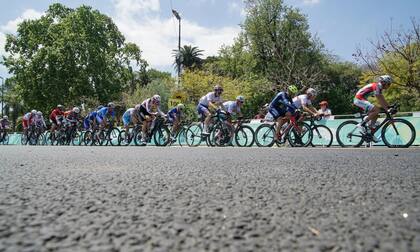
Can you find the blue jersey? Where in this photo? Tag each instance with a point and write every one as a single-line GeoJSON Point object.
{"type": "Point", "coordinates": [174, 112]}
{"type": "Point", "coordinates": [282, 101]}
{"type": "Point", "coordinates": [103, 112]}
{"type": "Point", "coordinates": [92, 115]}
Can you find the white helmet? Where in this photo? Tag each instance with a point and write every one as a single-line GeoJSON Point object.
{"type": "Point", "coordinates": [386, 79]}
{"type": "Point", "coordinates": [39, 113]}
{"type": "Point", "coordinates": [111, 105]}
{"type": "Point", "coordinates": [156, 99]}
{"type": "Point", "coordinates": [5, 117]}
{"type": "Point", "coordinates": [76, 110]}
{"type": "Point", "coordinates": [311, 92]}
{"type": "Point", "coordinates": [240, 98]}
{"type": "Point", "coordinates": [33, 111]}
{"type": "Point", "coordinates": [137, 107]}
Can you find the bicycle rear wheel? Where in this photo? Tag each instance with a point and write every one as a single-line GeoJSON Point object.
{"type": "Point", "coordinates": [182, 136]}
{"type": "Point", "coordinates": [112, 136]}
{"type": "Point", "coordinates": [398, 133]}
{"type": "Point", "coordinates": [124, 138]}
{"type": "Point", "coordinates": [88, 138]}
{"type": "Point", "coordinates": [244, 136]}
{"type": "Point", "coordinates": [300, 138]}
{"type": "Point", "coordinates": [322, 136]}
{"type": "Point", "coordinates": [348, 135]}
{"type": "Point", "coordinates": [193, 135]}
{"type": "Point", "coordinates": [264, 135]}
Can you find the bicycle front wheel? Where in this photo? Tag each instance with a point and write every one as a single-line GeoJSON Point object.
{"type": "Point", "coordinates": [244, 136]}
{"type": "Point", "coordinates": [162, 136]}
{"type": "Point", "coordinates": [398, 133]}
{"type": "Point", "coordinates": [302, 137]}
{"type": "Point", "coordinates": [193, 135]}
{"type": "Point", "coordinates": [112, 136]}
{"type": "Point", "coordinates": [322, 136]}
{"type": "Point", "coordinates": [182, 136]}
{"type": "Point", "coordinates": [264, 135]}
{"type": "Point", "coordinates": [348, 135]}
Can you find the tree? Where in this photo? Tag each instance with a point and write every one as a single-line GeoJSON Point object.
{"type": "Point", "coordinates": [279, 39]}
{"type": "Point", "coordinates": [67, 54]}
{"type": "Point", "coordinates": [188, 57]}
{"type": "Point", "coordinates": [397, 53]}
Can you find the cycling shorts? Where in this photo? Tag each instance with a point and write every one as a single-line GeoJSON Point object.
{"type": "Point", "coordinates": [202, 110]}
{"type": "Point", "coordinates": [365, 105]}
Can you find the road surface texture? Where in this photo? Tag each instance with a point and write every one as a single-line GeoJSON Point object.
{"type": "Point", "coordinates": [208, 199]}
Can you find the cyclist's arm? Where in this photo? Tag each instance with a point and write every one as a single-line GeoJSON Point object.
{"type": "Point", "coordinates": [310, 109]}
{"type": "Point", "coordinates": [382, 101]}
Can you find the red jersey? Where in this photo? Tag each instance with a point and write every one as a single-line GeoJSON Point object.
{"type": "Point", "coordinates": [369, 90]}
{"type": "Point", "coordinates": [56, 112]}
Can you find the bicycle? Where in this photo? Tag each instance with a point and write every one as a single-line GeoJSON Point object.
{"type": "Point", "coordinates": [395, 132]}
{"type": "Point", "coordinates": [101, 136]}
{"type": "Point", "coordinates": [159, 131]}
{"type": "Point", "coordinates": [321, 134]}
{"type": "Point", "coordinates": [125, 139]}
{"type": "Point", "coordinates": [297, 133]}
{"type": "Point", "coordinates": [33, 136]}
{"type": "Point", "coordinates": [4, 136]}
{"type": "Point", "coordinates": [180, 136]}
{"type": "Point", "coordinates": [221, 133]}
{"type": "Point", "coordinates": [194, 133]}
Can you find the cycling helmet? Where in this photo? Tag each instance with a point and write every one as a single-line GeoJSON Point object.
{"type": "Point", "coordinates": [59, 106]}
{"type": "Point", "coordinates": [33, 111]}
{"type": "Point", "coordinates": [218, 88]}
{"type": "Point", "coordinates": [39, 113]}
{"type": "Point", "coordinates": [292, 89]}
{"type": "Point", "coordinates": [180, 106]}
{"type": "Point", "coordinates": [137, 107]}
{"type": "Point", "coordinates": [311, 92]}
{"type": "Point", "coordinates": [5, 117]}
{"type": "Point", "coordinates": [111, 105]}
{"type": "Point", "coordinates": [240, 99]}
{"type": "Point", "coordinates": [99, 107]}
{"type": "Point", "coordinates": [156, 99]}
{"type": "Point", "coordinates": [76, 110]}
{"type": "Point", "coordinates": [386, 79]}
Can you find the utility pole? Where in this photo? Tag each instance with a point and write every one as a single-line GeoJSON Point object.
{"type": "Point", "coordinates": [177, 16]}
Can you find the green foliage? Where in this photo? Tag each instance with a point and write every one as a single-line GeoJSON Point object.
{"type": "Point", "coordinates": [68, 54]}
{"type": "Point", "coordinates": [188, 57]}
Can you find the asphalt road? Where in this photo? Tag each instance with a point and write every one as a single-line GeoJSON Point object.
{"type": "Point", "coordinates": [208, 199]}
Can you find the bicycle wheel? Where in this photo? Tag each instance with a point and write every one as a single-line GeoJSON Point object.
{"type": "Point", "coordinates": [40, 139]}
{"type": "Point", "coordinates": [5, 140]}
{"type": "Point", "coordinates": [264, 135]}
{"type": "Point", "coordinates": [123, 138]}
{"type": "Point", "coordinates": [244, 136]}
{"type": "Point", "coordinates": [162, 136]}
{"type": "Point", "coordinates": [88, 138]}
{"type": "Point", "coordinates": [321, 136]}
{"type": "Point", "coordinates": [348, 135]}
{"type": "Point", "coordinates": [112, 136]}
{"type": "Point", "coordinates": [300, 138]}
{"type": "Point", "coordinates": [182, 136]}
{"type": "Point", "coordinates": [398, 133]}
{"type": "Point", "coordinates": [193, 135]}
{"type": "Point", "coordinates": [75, 138]}
{"type": "Point", "coordinates": [98, 137]}
{"type": "Point", "coordinates": [219, 136]}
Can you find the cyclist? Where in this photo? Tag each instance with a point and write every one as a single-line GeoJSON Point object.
{"type": "Point", "coordinates": [282, 108]}
{"type": "Point", "coordinates": [360, 100]}
{"type": "Point", "coordinates": [304, 101]}
{"type": "Point", "coordinates": [149, 109]}
{"type": "Point", "coordinates": [174, 117]}
{"type": "Point", "coordinates": [101, 115]}
{"type": "Point", "coordinates": [131, 116]}
{"type": "Point", "coordinates": [233, 108]}
{"type": "Point", "coordinates": [39, 121]}
{"type": "Point", "coordinates": [72, 116]}
{"type": "Point", "coordinates": [27, 120]}
{"type": "Point", "coordinates": [211, 101]}
{"type": "Point", "coordinates": [4, 126]}
{"type": "Point", "coordinates": [90, 120]}
{"type": "Point", "coordinates": [56, 117]}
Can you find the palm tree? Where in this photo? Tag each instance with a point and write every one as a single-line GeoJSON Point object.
{"type": "Point", "coordinates": [188, 57]}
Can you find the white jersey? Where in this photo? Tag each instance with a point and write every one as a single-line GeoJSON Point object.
{"type": "Point", "coordinates": [39, 120]}
{"type": "Point", "coordinates": [301, 100]}
{"type": "Point", "coordinates": [210, 97]}
{"type": "Point", "coordinates": [232, 107]}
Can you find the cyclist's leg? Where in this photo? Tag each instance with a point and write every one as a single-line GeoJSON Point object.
{"type": "Point", "coordinates": [371, 110]}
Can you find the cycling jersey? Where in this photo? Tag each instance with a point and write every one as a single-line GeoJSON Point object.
{"type": "Point", "coordinates": [102, 113]}
{"type": "Point", "coordinates": [39, 121]}
{"type": "Point", "coordinates": [149, 107]}
{"type": "Point", "coordinates": [280, 105]}
{"type": "Point", "coordinates": [54, 114]}
{"type": "Point", "coordinates": [231, 107]}
{"type": "Point", "coordinates": [127, 116]}
{"type": "Point", "coordinates": [173, 114]}
{"type": "Point", "coordinates": [369, 90]}
{"type": "Point", "coordinates": [4, 123]}
{"type": "Point", "coordinates": [301, 100]}
{"type": "Point", "coordinates": [27, 120]}
{"type": "Point", "coordinates": [210, 97]}
{"type": "Point", "coordinates": [71, 116]}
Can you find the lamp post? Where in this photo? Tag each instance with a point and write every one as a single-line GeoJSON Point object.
{"type": "Point", "coordinates": [177, 16]}
{"type": "Point", "coordinates": [2, 90]}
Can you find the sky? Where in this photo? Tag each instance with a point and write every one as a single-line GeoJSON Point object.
{"type": "Point", "coordinates": [342, 25]}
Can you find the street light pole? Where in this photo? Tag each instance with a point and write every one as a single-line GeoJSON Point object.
{"type": "Point", "coordinates": [177, 16]}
